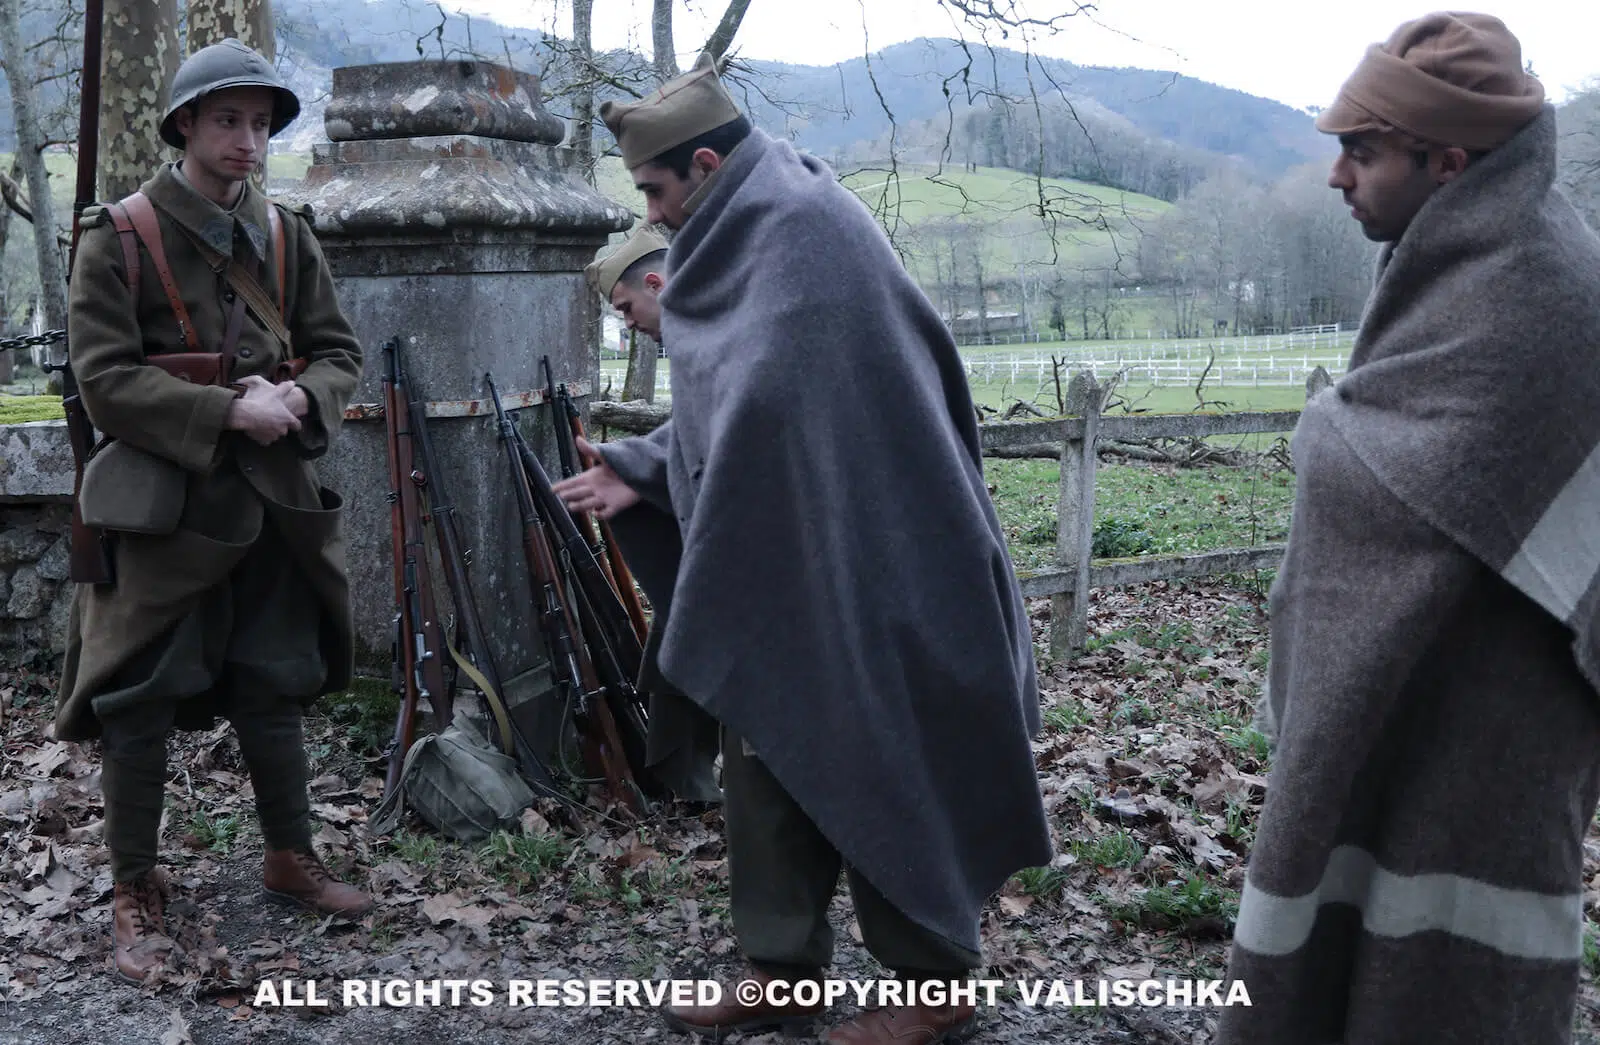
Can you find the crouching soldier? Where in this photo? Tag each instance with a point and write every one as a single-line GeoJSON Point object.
{"type": "Point", "coordinates": [212, 356]}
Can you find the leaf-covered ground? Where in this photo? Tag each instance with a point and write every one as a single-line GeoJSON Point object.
{"type": "Point", "coordinates": [1151, 773]}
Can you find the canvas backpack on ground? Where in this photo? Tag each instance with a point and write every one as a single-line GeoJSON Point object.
{"type": "Point", "coordinates": [458, 783]}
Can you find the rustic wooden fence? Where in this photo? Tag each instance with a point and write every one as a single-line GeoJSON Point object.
{"type": "Point", "coordinates": [1079, 435]}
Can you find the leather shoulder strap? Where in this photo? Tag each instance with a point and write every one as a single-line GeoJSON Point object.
{"type": "Point", "coordinates": [275, 233]}
{"type": "Point", "coordinates": [143, 215]}
{"type": "Point", "coordinates": [130, 246]}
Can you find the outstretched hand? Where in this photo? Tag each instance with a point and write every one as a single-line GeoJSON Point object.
{"type": "Point", "coordinates": [598, 489]}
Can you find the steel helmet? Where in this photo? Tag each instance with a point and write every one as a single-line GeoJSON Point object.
{"type": "Point", "coordinates": [218, 67]}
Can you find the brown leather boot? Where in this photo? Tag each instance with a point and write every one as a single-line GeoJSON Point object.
{"type": "Point", "coordinates": [138, 934]}
{"type": "Point", "coordinates": [298, 876]}
{"type": "Point", "coordinates": [730, 1015]}
{"type": "Point", "coordinates": [908, 1025]}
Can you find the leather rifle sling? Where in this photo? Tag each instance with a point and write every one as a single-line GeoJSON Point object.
{"type": "Point", "coordinates": [138, 212]}
{"type": "Point", "coordinates": [246, 286]}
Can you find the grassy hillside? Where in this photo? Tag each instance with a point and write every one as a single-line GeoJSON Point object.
{"type": "Point", "coordinates": [1011, 218]}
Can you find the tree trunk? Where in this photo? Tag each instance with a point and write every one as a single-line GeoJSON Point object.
{"type": "Point", "coordinates": [640, 383]}
{"type": "Point", "coordinates": [583, 99]}
{"type": "Point", "coordinates": [7, 371]}
{"type": "Point", "coordinates": [666, 59]}
{"type": "Point", "coordinates": [248, 21]}
{"type": "Point", "coordinates": [141, 54]}
{"type": "Point", "coordinates": [52, 269]}
{"type": "Point", "coordinates": [722, 39]}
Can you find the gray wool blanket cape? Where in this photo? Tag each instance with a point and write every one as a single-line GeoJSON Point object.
{"type": "Point", "coordinates": [835, 580]}
{"type": "Point", "coordinates": [1417, 872]}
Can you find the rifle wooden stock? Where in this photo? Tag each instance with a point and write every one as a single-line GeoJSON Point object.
{"type": "Point", "coordinates": [564, 535]}
{"type": "Point", "coordinates": [571, 664]}
{"type": "Point", "coordinates": [611, 642]}
{"type": "Point", "coordinates": [621, 576]}
{"type": "Point", "coordinates": [89, 556]}
{"type": "Point", "coordinates": [455, 560]}
{"type": "Point", "coordinates": [418, 637]}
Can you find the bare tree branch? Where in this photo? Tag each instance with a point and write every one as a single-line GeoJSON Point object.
{"type": "Point", "coordinates": [722, 38]}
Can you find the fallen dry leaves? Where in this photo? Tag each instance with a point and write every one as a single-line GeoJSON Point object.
{"type": "Point", "coordinates": [1151, 777]}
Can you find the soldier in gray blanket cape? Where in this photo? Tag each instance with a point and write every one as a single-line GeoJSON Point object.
{"type": "Point", "coordinates": [830, 579]}
{"type": "Point", "coordinates": [1417, 875]}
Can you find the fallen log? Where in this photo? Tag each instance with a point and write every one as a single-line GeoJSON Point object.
{"type": "Point", "coordinates": [635, 415]}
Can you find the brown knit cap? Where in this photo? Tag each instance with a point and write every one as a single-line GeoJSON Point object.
{"type": "Point", "coordinates": [1447, 78]}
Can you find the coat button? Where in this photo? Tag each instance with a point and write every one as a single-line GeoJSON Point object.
{"type": "Point", "coordinates": [227, 297]}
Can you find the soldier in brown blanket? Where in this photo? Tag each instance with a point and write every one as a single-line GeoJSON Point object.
{"type": "Point", "coordinates": [1417, 875]}
{"type": "Point", "coordinates": [229, 595]}
{"type": "Point", "coordinates": [830, 580]}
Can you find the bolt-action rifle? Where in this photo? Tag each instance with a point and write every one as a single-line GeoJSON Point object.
{"type": "Point", "coordinates": [417, 636]}
{"type": "Point", "coordinates": [566, 448]}
{"type": "Point", "coordinates": [562, 632]}
{"type": "Point", "coordinates": [508, 734]}
{"type": "Point", "coordinates": [90, 560]}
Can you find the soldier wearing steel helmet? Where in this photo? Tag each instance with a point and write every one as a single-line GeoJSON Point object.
{"type": "Point", "coordinates": [229, 596]}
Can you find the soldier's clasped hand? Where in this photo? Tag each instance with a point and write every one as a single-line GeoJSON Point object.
{"type": "Point", "coordinates": [263, 413]}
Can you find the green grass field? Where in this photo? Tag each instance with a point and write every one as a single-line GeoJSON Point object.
{"type": "Point", "coordinates": [1141, 510]}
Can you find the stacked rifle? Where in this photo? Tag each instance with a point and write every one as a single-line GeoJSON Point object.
{"type": "Point", "coordinates": [586, 611]}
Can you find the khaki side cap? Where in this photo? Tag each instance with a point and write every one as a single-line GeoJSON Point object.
{"type": "Point", "coordinates": [680, 110]}
{"type": "Point", "coordinates": [604, 271]}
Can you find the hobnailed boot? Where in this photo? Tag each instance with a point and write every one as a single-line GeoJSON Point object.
{"type": "Point", "coordinates": [138, 934]}
{"type": "Point", "coordinates": [298, 876]}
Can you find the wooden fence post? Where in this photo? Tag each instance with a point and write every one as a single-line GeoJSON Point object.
{"type": "Point", "coordinates": [1069, 611]}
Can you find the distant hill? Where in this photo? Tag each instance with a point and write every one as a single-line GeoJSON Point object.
{"type": "Point", "coordinates": [834, 110]}
{"type": "Point", "coordinates": [840, 108]}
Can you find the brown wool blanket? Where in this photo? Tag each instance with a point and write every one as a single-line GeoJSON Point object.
{"type": "Point", "coordinates": [1417, 873]}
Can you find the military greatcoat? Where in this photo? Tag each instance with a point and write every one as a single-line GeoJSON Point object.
{"type": "Point", "coordinates": [235, 487]}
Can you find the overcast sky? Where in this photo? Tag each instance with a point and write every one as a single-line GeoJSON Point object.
{"type": "Point", "coordinates": [1295, 52]}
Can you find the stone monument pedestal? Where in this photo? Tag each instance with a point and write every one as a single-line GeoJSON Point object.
{"type": "Point", "coordinates": [451, 220]}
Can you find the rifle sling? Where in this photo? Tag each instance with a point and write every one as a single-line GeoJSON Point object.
{"type": "Point", "coordinates": [246, 286]}
{"type": "Point", "coordinates": [135, 216]}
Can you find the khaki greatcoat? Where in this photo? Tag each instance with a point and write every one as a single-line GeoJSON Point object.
{"type": "Point", "coordinates": [235, 487]}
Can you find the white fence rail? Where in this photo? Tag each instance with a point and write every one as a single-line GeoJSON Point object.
{"type": "Point", "coordinates": [1250, 371]}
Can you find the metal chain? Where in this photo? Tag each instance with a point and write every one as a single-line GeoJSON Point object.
{"type": "Point", "coordinates": [49, 337]}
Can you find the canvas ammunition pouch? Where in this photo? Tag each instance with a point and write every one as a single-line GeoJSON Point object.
{"type": "Point", "coordinates": [132, 490]}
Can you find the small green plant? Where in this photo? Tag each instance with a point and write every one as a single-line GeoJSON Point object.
{"type": "Point", "coordinates": [217, 834]}
{"type": "Point", "coordinates": [1591, 949]}
{"type": "Point", "coordinates": [1249, 742]}
{"type": "Point", "coordinates": [522, 857]}
{"type": "Point", "coordinates": [1239, 816]}
{"type": "Point", "coordinates": [1193, 905]}
{"type": "Point", "coordinates": [1118, 849]}
{"type": "Point", "coordinates": [1066, 714]}
{"type": "Point", "coordinates": [1041, 881]}
{"type": "Point", "coordinates": [367, 712]}
{"type": "Point", "coordinates": [420, 849]}
{"type": "Point", "coordinates": [1134, 711]}
{"type": "Point", "coordinates": [1119, 539]}
{"type": "Point", "coordinates": [1222, 719]}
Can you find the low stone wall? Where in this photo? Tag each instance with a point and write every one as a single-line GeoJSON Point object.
{"type": "Point", "coordinates": [35, 517]}
{"type": "Point", "coordinates": [34, 595]}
